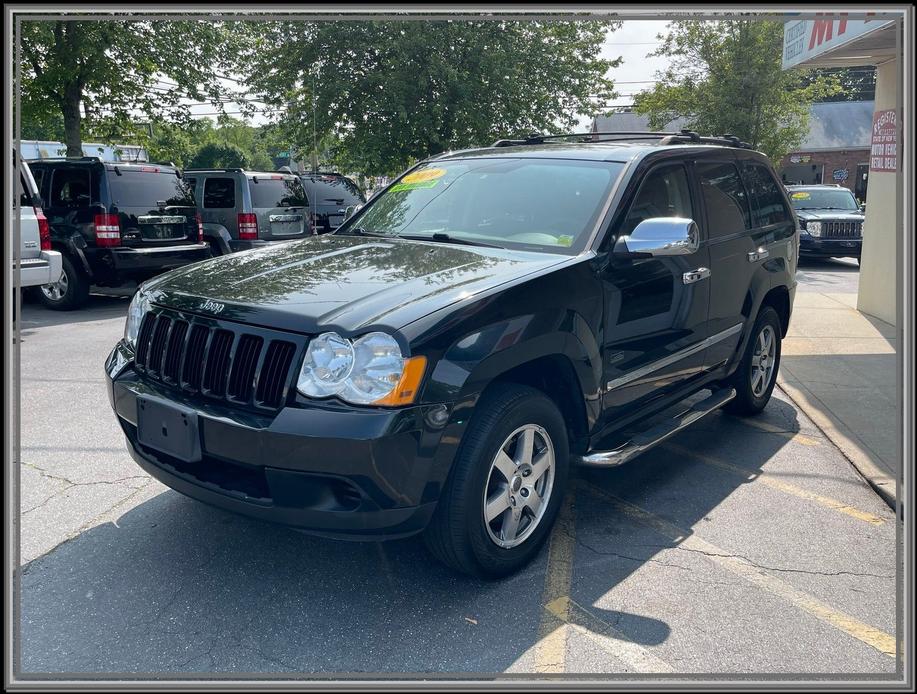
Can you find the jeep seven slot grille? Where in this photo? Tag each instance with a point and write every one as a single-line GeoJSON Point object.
{"type": "Point", "coordinates": [217, 362]}
{"type": "Point", "coordinates": [842, 230]}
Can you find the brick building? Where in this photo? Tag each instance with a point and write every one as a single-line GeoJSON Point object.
{"type": "Point", "coordinates": [836, 149]}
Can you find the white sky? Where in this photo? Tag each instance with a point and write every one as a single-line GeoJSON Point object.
{"type": "Point", "coordinates": [633, 41]}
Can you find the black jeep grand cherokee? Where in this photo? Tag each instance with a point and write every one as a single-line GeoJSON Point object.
{"type": "Point", "coordinates": [439, 362]}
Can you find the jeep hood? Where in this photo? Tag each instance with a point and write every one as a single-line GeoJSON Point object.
{"type": "Point", "coordinates": [343, 283]}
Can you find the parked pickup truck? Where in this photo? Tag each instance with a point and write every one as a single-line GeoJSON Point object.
{"type": "Point", "coordinates": [492, 317]}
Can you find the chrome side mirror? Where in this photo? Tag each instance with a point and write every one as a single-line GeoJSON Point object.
{"type": "Point", "coordinates": [661, 236]}
{"type": "Point", "coordinates": [350, 211]}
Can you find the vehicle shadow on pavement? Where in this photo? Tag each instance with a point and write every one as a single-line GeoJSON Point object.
{"type": "Point", "coordinates": [98, 307]}
{"type": "Point", "coordinates": [174, 586]}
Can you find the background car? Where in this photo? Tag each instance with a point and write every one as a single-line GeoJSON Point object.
{"type": "Point", "coordinates": [830, 221]}
{"type": "Point", "coordinates": [114, 223]}
{"type": "Point", "coordinates": [244, 209]}
{"type": "Point", "coordinates": [38, 263]}
{"type": "Point", "coordinates": [329, 196]}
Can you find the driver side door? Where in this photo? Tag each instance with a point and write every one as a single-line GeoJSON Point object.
{"type": "Point", "coordinates": [655, 307]}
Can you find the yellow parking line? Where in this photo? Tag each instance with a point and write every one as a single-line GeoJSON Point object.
{"type": "Point", "coordinates": [772, 429]}
{"type": "Point", "coordinates": [551, 649]}
{"type": "Point", "coordinates": [634, 656]}
{"type": "Point", "coordinates": [772, 481]}
{"type": "Point", "coordinates": [882, 642]}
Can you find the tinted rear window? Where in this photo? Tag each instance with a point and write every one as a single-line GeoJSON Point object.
{"type": "Point", "coordinates": [134, 188]}
{"type": "Point", "coordinates": [276, 192]}
{"type": "Point", "coordinates": [332, 190]}
{"type": "Point", "coordinates": [724, 196]}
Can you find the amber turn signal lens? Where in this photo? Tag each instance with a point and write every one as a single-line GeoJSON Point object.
{"type": "Point", "coordinates": [408, 385]}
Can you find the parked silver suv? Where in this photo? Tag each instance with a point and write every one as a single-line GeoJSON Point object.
{"type": "Point", "coordinates": [37, 263]}
{"type": "Point", "coordinates": [245, 209]}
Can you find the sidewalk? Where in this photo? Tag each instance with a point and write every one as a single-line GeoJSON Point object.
{"type": "Point", "coordinates": [839, 366]}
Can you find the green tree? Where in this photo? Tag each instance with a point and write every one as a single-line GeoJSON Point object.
{"type": "Point", "coordinates": [726, 77]}
{"type": "Point", "coordinates": [100, 73]}
{"type": "Point", "coordinates": [385, 93]}
{"type": "Point", "coordinates": [219, 156]}
{"type": "Point", "coordinates": [855, 83]}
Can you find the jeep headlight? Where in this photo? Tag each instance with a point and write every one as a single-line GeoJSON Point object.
{"type": "Point", "coordinates": [368, 370]}
{"type": "Point", "coordinates": [814, 228]}
{"type": "Point", "coordinates": [140, 304]}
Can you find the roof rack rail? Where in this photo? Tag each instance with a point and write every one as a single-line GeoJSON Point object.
{"type": "Point", "coordinates": [83, 158]}
{"type": "Point", "coordinates": [683, 136]}
{"type": "Point", "coordinates": [217, 168]}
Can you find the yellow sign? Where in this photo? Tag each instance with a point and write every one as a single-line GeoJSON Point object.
{"type": "Point", "coordinates": [801, 196]}
{"type": "Point", "coordinates": [424, 175]}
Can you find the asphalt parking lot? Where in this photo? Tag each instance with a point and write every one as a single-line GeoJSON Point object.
{"type": "Point", "coordinates": [740, 546]}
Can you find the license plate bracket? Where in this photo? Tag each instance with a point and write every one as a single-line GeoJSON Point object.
{"type": "Point", "coordinates": [168, 428]}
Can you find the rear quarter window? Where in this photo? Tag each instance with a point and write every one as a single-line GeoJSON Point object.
{"type": "Point", "coordinates": [724, 198]}
{"type": "Point", "coordinates": [768, 206]}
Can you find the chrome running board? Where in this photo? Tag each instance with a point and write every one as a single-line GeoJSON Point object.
{"type": "Point", "coordinates": [645, 440]}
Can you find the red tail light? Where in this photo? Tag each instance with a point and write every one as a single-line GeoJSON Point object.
{"type": "Point", "coordinates": [200, 228]}
{"type": "Point", "coordinates": [248, 226]}
{"type": "Point", "coordinates": [108, 230]}
{"type": "Point", "coordinates": [44, 229]}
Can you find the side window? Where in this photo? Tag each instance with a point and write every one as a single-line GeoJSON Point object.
{"type": "Point", "coordinates": [768, 205]}
{"type": "Point", "coordinates": [663, 193]}
{"type": "Point", "coordinates": [70, 188]}
{"type": "Point", "coordinates": [25, 198]}
{"type": "Point", "coordinates": [192, 185]}
{"type": "Point", "coordinates": [219, 193]}
{"type": "Point", "coordinates": [724, 198]}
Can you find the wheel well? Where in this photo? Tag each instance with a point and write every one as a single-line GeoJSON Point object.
{"type": "Point", "coordinates": [555, 376]}
{"type": "Point", "coordinates": [779, 299]}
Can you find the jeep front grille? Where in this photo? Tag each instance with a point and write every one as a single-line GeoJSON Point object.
{"type": "Point", "coordinates": [221, 362]}
{"type": "Point", "coordinates": [842, 230]}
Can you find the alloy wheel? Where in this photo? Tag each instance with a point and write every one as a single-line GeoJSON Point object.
{"type": "Point", "coordinates": [763, 360]}
{"type": "Point", "coordinates": [519, 486]}
{"type": "Point", "coordinates": [56, 290]}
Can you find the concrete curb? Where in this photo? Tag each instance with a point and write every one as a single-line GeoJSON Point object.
{"type": "Point", "coordinates": [845, 440]}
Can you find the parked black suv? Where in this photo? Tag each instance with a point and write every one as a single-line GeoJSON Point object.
{"type": "Point", "coordinates": [830, 221]}
{"type": "Point", "coordinates": [439, 362]}
{"type": "Point", "coordinates": [329, 196]}
{"type": "Point", "coordinates": [113, 223]}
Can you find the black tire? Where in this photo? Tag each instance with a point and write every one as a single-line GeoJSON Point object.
{"type": "Point", "coordinates": [457, 534]}
{"type": "Point", "coordinates": [74, 295]}
{"type": "Point", "coordinates": [747, 401]}
{"type": "Point", "coordinates": [215, 249]}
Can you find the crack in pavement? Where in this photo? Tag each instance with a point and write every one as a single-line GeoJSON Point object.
{"type": "Point", "coordinates": [769, 568]}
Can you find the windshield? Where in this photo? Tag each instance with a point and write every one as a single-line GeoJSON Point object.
{"type": "Point", "coordinates": [154, 188]}
{"type": "Point", "coordinates": [540, 204]}
{"type": "Point", "coordinates": [833, 198]}
{"type": "Point", "coordinates": [276, 191]}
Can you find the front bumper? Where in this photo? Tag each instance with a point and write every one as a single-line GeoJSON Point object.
{"type": "Point", "coordinates": [340, 472]}
{"type": "Point", "coordinates": [813, 246]}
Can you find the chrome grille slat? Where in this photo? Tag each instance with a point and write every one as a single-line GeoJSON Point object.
{"type": "Point", "coordinates": [842, 229]}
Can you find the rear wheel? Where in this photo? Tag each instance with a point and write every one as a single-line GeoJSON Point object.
{"type": "Point", "coordinates": [506, 486]}
{"type": "Point", "coordinates": [69, 292]}
{"type": "Point", "coordinates": [756, 375]}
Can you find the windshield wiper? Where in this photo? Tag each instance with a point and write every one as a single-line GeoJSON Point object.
{"type": "Point", "coordinates": [360, 231]}
{"type": "Point", "coordinates": [445, 238]}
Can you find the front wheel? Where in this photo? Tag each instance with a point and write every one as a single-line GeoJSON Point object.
{"type": "Point", "coordinates": [756, 375]}
{"type": "Point", "coordinates": [506, 486]}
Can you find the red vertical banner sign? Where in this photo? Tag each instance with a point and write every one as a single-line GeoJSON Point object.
{"type": "Point", "coordinates": [884, 154]}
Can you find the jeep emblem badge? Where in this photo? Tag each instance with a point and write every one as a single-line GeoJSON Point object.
{"type": "Point", "coordinates": [213, 306]}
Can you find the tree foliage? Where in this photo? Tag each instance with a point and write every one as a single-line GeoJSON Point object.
{"type": "Point", "coordinates": [855, 83]}
{"type": "Point", "coordinates": [726, 77]}
{"type": "Point", "coordinates": [227, 143]}
{"type": "Point", "coordinates": [219, 156]}
{"type": "Point", "coordinates": [101, 73]}
{"type": "Point", "coordinates": [385, 93]}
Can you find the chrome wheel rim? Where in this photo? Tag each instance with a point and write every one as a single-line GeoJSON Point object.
{"type": "Point", "coordinates": [56, 290]}
{"type": "Point", "coordinates": [519, 486]}
{"type": "Point", "coordinates": [763, 360]}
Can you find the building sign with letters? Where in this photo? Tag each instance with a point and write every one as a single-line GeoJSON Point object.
{"type": "Point", "coordinates": [884, 154]}
{"type": "Point", "coordinates": [804, 39]}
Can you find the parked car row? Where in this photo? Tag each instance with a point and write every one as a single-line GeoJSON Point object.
{"type": "Point", "coordinates": [113, 222]}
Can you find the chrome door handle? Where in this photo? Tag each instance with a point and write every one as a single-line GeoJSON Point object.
{"type": "Point", "coordinates": [693, 276]}
{"type": "Point", "coordinates": [759, 254]}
